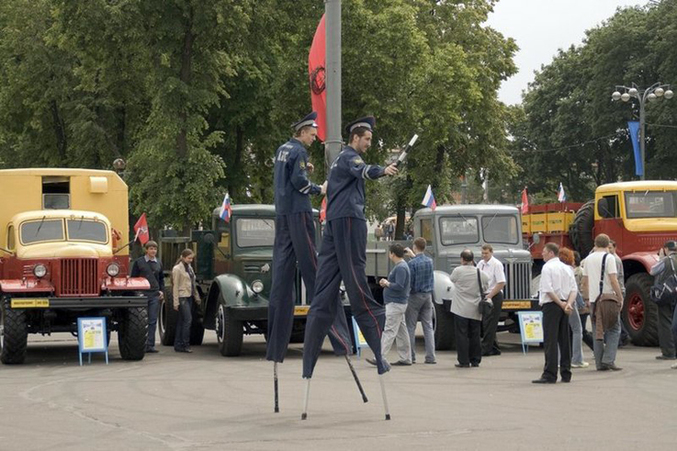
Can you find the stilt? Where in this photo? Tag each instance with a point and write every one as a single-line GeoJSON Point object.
{"type": "Point", "coordinates": [304, 415]}
{"type": "Point", "coordinates": [357, 380]}
{"type": "Point", "coordinates": [277, 403]}
{"type": "Point", "coordinates": [383, 392]}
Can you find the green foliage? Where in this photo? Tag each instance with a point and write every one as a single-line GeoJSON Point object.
{"type": "Point", "coordinates": [197, 95]}
{"type": "Point", "coordinates": [570, 130]}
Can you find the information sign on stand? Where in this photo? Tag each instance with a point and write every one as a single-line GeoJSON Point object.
{"type": "Point", "coordinates": [92, 337]}
{"type": "Point", "coordinates": [360, 341]}
{"type": "Point", "coordinates": [531, 328]}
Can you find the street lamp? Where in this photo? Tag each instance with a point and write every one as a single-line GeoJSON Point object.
{"type": "Point", "coordinates": [652, 94]}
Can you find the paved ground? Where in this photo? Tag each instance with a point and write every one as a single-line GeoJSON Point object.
{"type": "Point", "coordinates": [205, 401]}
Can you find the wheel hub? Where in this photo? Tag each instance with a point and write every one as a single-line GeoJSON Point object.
{"type": "Point", "coordinates": [221, 324]}
{"type": "Point", "coordinates": [636, 312]}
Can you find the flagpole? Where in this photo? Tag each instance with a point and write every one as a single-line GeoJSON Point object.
{"type": "Point", "coordinates": [333, 143]}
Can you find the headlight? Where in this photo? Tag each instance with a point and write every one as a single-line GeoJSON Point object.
{"type": "Point", "coordinates": [257, 286]}
{"type": "Point", "coordinates": [39, 270]}
{"type": "Point", "coordinates": [113, 269]}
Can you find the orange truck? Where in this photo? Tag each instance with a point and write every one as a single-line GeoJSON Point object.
{"type": "Point", "coordinates": [640, 216]}
{"type": "Point", "coordinates": [64, 255]}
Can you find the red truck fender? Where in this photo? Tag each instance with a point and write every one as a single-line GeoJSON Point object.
{"type": "Point", "coordinates": [645, 259]}
{"type": "Point", "coordinates": [25, 286]}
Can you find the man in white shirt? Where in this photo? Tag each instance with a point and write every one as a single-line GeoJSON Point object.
{"type": "Point", "coordinates": [557, 295]}
{"type": "Point", "coordinates": [605, 349]}
{"type": "Point", "coordinates": [493, 268]}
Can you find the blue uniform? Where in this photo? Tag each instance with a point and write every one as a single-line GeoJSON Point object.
{"type": "Point", "coordinates": [343, 256]}
{"type": "Point", "coordinates": [295, 242]}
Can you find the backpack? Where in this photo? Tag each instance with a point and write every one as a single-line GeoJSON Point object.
{"type": "Point", "coordinates": [665, 291]}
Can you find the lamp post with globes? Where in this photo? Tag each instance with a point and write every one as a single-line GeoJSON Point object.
{"type": "Point", "coordinates": [651, 94]}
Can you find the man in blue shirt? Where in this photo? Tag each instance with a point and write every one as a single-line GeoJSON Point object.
{"type": "Point", "coordinates": [150, 268]}
{"type": "Point", "coordinates": [420, 304]}
{"type": "Point", "coordinates": [395, 295]}
{"type": "Point", "coordinates": [295, 242]}
{"type": "Point", "coordinates": [343, 254]}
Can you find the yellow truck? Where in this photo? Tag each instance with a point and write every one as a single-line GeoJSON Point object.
{"type": "Point", "coordinates": [63, 255]}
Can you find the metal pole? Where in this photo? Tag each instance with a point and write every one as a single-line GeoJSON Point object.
{"type": "Point", "coordinates": [642, 134]}
{"type": "Point", "coordinates": [333, 143]}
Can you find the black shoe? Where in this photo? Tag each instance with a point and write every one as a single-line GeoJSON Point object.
{"type": "Point", "coordinates": [566, 380]}
{"type": "Point", "coordinates": [430, 362]}
{"type": "Point", "coordinates": [461, 365]}
{"type": "Point", "coordinates": [401, 363]}
{"type": "Point", "coordinates": [371, 361]}
{"type": "Point", "coordinates": [151, 351]}
{"type": "Point", "coordinates": [603, 368]}
{"type": "Point", "coordinates": [475, 365]}
{"type": "Point", "coordinates": [492, 352]}
{"type": "Point", "coordinates": [188, 350]}
{"type": "Point", "coordinates": [543, 381]}
{"type": "Point", "coordinates": [665, 357]}
{"type": "Point", "coordinates": [613, 367]}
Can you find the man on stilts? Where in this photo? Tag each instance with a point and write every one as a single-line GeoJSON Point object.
{"type": "Point", "coordinates": [295, 244]}
{"type": "Point", "coordinates": [343, 253]}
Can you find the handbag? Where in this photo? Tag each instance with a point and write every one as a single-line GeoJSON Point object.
{"type": "Point", "coordinates": [665, 293]}
{"type": "Point", "coordinates": [486, 305]}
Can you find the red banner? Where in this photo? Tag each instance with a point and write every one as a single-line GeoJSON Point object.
{"type": "Point", "coordinates": [141, 229]}
{"type": "Point", "coordinates": [525, 201]}
{"type": "Point", "coordinates": [316, 71]}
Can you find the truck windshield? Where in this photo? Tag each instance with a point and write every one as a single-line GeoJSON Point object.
{"type": "Point", "coordinates": [253, 232]}
{"type": "Point", "coordinates": [650, 204]}
{"type": "Point", "coordinates": [87, 230]}
{"type": "Point", "coordinates": [42, 230]}
{"type": "Point", "coordinates": [500, 229]}
{"type": "Point", "coordinates": [458, 230]}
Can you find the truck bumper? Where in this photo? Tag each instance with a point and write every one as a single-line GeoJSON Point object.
{"type": "Point", "coordinates": [515, 305]}
{"type": "Point", "coordinates": [79, 303]}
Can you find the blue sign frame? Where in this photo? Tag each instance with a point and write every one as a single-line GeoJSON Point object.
{"type": "Point", "coordinates": [360, 341]}
{"type": "Point", "coordinates": [530, 317]}
{"type": "Point", "coordinates": [98, 325]}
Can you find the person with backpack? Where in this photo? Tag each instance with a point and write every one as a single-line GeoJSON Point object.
{"type": "Point", "coordinates": [667, 322]}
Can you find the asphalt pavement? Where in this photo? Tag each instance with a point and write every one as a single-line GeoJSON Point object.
{"type": "Point", "coordinates": [205, 401]}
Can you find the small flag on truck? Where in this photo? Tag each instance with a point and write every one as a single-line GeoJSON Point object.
{"type": "Point", "coordinates": [429, 199]}
{"type": "Point", "coordinates": [561, 195]}
{"type": "Point", "coordinates": [141, 229]}
{"type": "Point", "coordinates": [525, 201]}
{"type": "Point", "coordinates": [225, 209]}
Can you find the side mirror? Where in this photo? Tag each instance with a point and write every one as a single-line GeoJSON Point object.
{"type": "Point", "coordinates": [537, 238]}
{"type": "Point", "coordinates": [209, 238]}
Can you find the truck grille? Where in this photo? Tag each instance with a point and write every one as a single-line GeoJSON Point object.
{"type": "Point", "coordinates": [79, 277]}
{"type": "Point", "coordinates": [518, 280]}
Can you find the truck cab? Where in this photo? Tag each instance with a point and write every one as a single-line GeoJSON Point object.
{"type": "Point", "coordinates": [62, 257]}
{"type": "Point", "coordinates": [450, 229]}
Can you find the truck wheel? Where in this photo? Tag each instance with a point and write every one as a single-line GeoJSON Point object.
{"type": "Point", "coordinates": [228, 333]}
{"type": "Point", "coordinates": [197, 332]}
{"type": "Point", "coordinates": [167, 321]}
{"type": "Point", "coordinates": [444, 328]}
{"type": "Point", "coordinates": [13, 335]}
{"type": "Point", "coordinates": [581, 230]}
{"type": "Point", "coordinates": [640, 313]}
{"type": "Point", "coordinates": [133, 333]}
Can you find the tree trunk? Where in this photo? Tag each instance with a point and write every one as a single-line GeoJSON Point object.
{"type": "Point", "coordinates": [236, 168]}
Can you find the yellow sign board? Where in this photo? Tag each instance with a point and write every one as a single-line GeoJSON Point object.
{"type": "Point", "coordinates": [30, 303]}
{"type": "Point", "coordinates": [516, 305]}
{"type": "Point", "coordinates": [301, 310]}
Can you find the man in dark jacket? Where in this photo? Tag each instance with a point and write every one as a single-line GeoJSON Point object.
{"type": "Point", "coordinates": [150, 268]}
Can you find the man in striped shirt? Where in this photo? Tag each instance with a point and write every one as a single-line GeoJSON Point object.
{"type": "Point", "coordinates": [420, 305]}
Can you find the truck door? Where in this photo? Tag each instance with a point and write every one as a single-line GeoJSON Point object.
{"type": "Point", "coordinates": [610, 222]}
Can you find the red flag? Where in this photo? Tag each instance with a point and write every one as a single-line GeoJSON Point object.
{"type": "Point", "coordinates": [316, 71]}
{"type": "Point", "coordinates": [525, 201]}
{"type": "Point", "coordinates": [141, 229]}
{"type": "Point", "coordinates": [323, 209]}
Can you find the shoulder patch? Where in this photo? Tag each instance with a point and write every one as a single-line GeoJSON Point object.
{"type": "Point", "coordinates": [302, 164]}
{"type": "Point", "coordinates": [357, 160]}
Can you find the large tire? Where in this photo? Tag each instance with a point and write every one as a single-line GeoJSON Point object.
{"type": "Point", "coordinates": [13, 336]}
{"type": "Point", "coordinates": [197, 332]}
{"type": "Point", "coordinates": [167, 320]}
{"type": "Point", "coordinates": [582, 228]}
{"type": "Point", "coordinates": [640, 313]}
{"type": "Point", "coordinates": [444, 328]}
{"type": "Point", "coordinates": [229, 332]}
{"type": "Point", "coordinates": [133, 333]}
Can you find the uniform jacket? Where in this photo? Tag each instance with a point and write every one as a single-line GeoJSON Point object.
{"type": "Point", "coordinates": [345, 190]}
{"type": "Point", "coordinates": [292, 186]}
{"type": "Point", "coordinates": [182, 285]}
{"type": "Point", "coordinates": [151, 271]}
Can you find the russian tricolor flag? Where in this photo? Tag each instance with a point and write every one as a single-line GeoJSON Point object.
{"type": "Point", "coordinates": [429, 199]}
{"type": "Point", "coordinates": [226, 211]}
{"type": "Point", "coordinates": [561, 195]}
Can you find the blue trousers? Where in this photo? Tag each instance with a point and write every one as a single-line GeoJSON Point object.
{"type": "Point", "coordinates": [183, 322]}
{"type": "Point", "coordinates": [343, 256]}
{"type": "Point", "coordinates": [295, 244]}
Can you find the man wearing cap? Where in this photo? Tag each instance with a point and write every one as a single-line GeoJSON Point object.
{"type": "Point", "coordinates": [343, 251]}
{"type": "Point", "coordinates": [661, 271]}
{"type": "Point", "coordinates": [295, 239]}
